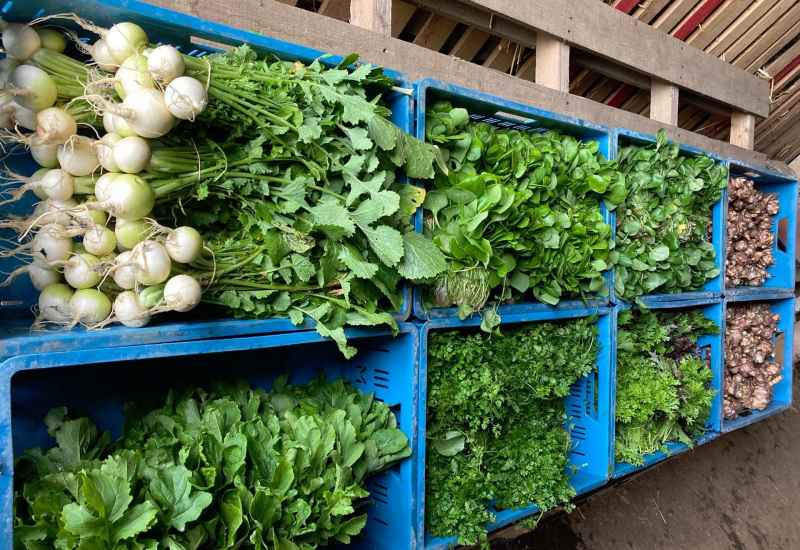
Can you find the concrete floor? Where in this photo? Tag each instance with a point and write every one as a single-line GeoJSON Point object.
{"type": "Point", "coordinates": [739, 492]}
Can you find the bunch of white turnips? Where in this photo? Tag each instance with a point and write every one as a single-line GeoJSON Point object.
{"type": "Point", "coordinates": [84, 254]}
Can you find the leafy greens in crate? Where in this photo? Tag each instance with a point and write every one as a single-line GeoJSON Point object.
{"type": "Point", "coordinates": [664, 386]}
{"type": "Point", "coordinates": [663, 227]}
{"type": "Point", "coordinates": [495, 422]}
{"type": "Point", "coordinates": [518, 213]}
{"type": "Point", "coordinates": [227, 467]}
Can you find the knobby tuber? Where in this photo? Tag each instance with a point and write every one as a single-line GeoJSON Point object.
{"type": "Point", "coordinates": [750, 372]}
{"type": "Point", "coordinates": [750, 236]}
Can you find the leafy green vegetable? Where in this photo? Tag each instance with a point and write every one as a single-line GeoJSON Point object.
{"type": "Point", "coordinates": [495, 424]}
{"type": "Point", "coordinates": [664, 388]}
{"type": "Point", "coordinates": [517, 213]}
{"type": "Point", "coordinates": [291, 174]}
{"type": "Point", "coordinates": [229, 467]}
{"type": "Point", "coordinates": [664, 226]}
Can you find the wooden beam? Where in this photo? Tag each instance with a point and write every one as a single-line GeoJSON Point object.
{"type": "Point", "coordinates": [552, 65]}
{"type": "Point", "coordinates": [695, 19]}
{"type": "Point", "coordinates": [634, 45]}
{"type": "Point", "coordinates": [743, 22]}
{"type": "Point", "coordinates": [717, 22]}
{"type": "Point", "coordinates": [603, 90]}
{"type": "Point", "coordinates": [401, 15]}
{"type": "Point", "coordinates": [649, 9]}
{"type": "Point", "coordinates": [582, 82]}
{"type": "Point", "coordinates": [527, 70]}
{"type": "Point", "coordinates": [782, 119]}
{"type": "Point", "coordinates": [608, 68]}
{"type": "Point", "coordinates": [743, 129]}
{"type": "Point", "coordinates": [314, 31]}
{"type": "Point", "coordinates": [373, 15]}
{"type": "Point", "coordinates": [763, 25]}
{"type": "Point", "coordinates": [337, 9]}
{"type": "Point", "coordinates": [754, 57]}
{"type": "Point", "coordinates": [469, 44]}
{"type": "Point", "coordinates": [502, 56]}
{"type": "Point", "coordinates": [664, 103]}
{"type": "Point", "coordinates": [788, 79]}
{"type": "Point", "coordinates": [671, 16]}
{"type": "Point", "coordinates": [774, 68]}
{"type": "Point", "coordinates": [435, 32]}
{"type": "Point", "coordinates": [786, 143]}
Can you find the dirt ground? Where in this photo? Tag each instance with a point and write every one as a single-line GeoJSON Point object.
{"type": "Point", "coordinates": [739, 492]}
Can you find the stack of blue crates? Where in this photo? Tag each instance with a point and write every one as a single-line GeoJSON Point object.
{"type": "Point", "coordinates": [44, 369]}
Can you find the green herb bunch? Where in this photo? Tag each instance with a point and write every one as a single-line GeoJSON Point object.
{"type": "Point", "coordinates": [291, 175]}
{"type": "Point", "coordinates": [496, 422]}
{"type": "Point", "coordinates": [663, 227]}
{"type": "Point", "coordinates": [664, 387]}
{"type": "Point", "coordinates": [517, 214]}
{"type": "Point", "coordinates": [229, 467]}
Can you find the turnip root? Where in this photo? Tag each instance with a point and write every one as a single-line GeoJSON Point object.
{"type": "Point", "coordinates": [750, 372]}
{"type": "Point", "coordinates": [750, 236]}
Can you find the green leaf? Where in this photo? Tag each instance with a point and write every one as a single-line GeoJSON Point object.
{"type": "Point", "coordinates": [333, 219]}
{"type": "Point", "coordinates": [452, 444]}
{"type": "Point", "coordinates": [358, 138]}
{"type": "Point", "coordinates": [352, 258]}
{"type": "Point", "coordinates": [173, 491]}
{"type": "Point", "coordinates": [422, 259]}
{"type": "Point", "coordinates": [659, 253]}
{"type": "Point", "coordinates": [386, 242]}
{"type": "Point", "coordinates": [230, 510]}
{"type": "Point", "coordinates": [383, 132]}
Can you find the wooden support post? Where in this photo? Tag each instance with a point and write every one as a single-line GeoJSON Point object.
{"type": "Point", "coordinates": [743, 129]}
{"type": "Point", "coordinates": [664, 102]}
{"type": "Point", "coordinates": [552, 62]}
{"type": "Point", "coordinates": [375, 15]}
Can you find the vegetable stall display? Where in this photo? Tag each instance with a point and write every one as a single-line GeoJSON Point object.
{"type": "Point", "coordinates": [225, 467]}
{"type": "Point", "coordinates": [664, 385]}
{"type": "Point", "coordinates": [750, 370]}
{"type": "Point", "coordinates": [496, 422]}
{"type": "Point", "coordinates": [664, 225]}
{"type": "Point", "coordinates": [263, 186]}
{"type": "Point", "coordinates": [517, 214]}
{"type": "Point", "coordinates": [750, 236]}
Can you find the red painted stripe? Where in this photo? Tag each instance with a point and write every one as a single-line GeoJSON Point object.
{"type": "Point", "coordinates": [696, 18]}
{"type": "Point", "coordinates": [627, 6]}
{"type": "Point", "coordinates": [623, 94]}
{"type": "Point", "coordinates": [786, 69]}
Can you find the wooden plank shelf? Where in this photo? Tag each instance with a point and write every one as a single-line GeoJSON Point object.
{"type": "Point", "coordinates": [577, 69]}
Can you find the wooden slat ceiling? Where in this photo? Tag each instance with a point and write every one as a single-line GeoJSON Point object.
{"type": "Point", "coordinates": [759, 36]}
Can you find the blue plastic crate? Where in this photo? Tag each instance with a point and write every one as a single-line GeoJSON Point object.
{"type": "Point", "coordinates": [782, 272]}
{"type": "Point", "coordinates": [713, 309]}
{"type": "Point", "coordinates": [99, 385]}
{"type": "Point", "coordinates": [714, 287]}
{"type": "Point", "coordinates": [784, 348]}
{"type": "Point", "coordinates": [182, 31]}
{"type": "Point", "coordinates": [502, 113]}
{"type": "Point", "coordinates": [589, 406]}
